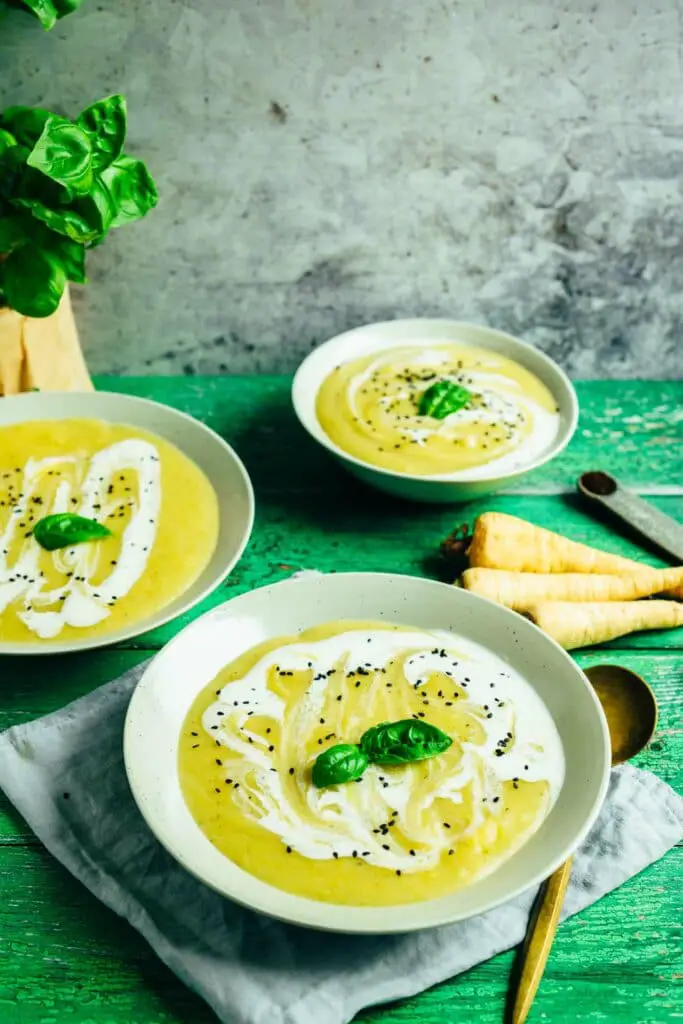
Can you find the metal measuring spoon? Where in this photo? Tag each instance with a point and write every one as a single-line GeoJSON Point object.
{"type": "Point", "coordinates": [647, 520]}
{"type": "Point", "coordinates": [631, 711]}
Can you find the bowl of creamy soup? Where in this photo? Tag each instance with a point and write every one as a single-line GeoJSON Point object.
{"type": "Point", "coordinates": [435, 410]}
{"type": "Point", "coordinates": [116, 515]}
{"type": "Point", "coordinates": [366, 752]}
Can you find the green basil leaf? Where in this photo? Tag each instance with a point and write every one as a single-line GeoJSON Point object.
{"type": "Point", "coordinates": [443, 398]}
{"type": "Point", "coordinates": [65, 221]}
{"type": "Point", "coordinates": [132, 189]}
{"type": "Point", "coordinates": [12, 169]}
{"type": "Point", "coordinates": [98, 207]}
{"type": "Point", "coordinates": [105, 123]}
{"type": "Point", "coordinates": [342, 763]}
{"type": "Point", "coordinates": [13, 232]}
{"type": "Point", "coordinates": [65, 528]}
{"type": "Point", "coordinates": [25, 123]}
{"type": "Point", "coordinates": [71, 255]}
{"type": "Point", "coordinates": [64, 153]}
{"type": "Point", "coordinates": [65, 7]}
{"type": "Point", "coordinates": [404, 741]}
{"type": "Point", "coordinates": [48, 11]}
{"type": "Point", "coordinates": [44, 10]}
{"type": "Point", "coordinates": [32, 281]}
{"type": "Point", "coordinates": [7, 140]}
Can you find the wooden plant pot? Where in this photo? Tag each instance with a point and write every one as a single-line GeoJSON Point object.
{"type": "Point", "coordinates": [43, 354]}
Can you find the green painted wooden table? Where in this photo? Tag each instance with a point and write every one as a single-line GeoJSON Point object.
{"type": "Point", "coordinates": [64, 959]}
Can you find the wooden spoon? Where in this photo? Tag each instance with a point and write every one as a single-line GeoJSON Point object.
{"type": "Point", "coordinates": [631, 711]}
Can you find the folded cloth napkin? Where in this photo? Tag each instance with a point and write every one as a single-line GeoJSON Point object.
{"type": "Point", "coordinates": [65, 774]}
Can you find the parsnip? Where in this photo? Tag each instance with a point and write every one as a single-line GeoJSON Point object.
{"type": "Point", "coordinates": [500, 541]}
{"type": "Point", "coordinates": [580, 625]}
{"type": "Point", "coordinates": [519, 590]}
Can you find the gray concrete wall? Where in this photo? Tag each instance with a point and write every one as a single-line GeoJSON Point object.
{"type": "Point", "coordinates": [325, 163]}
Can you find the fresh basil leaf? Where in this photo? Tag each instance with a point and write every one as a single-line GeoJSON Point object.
{"type": "Point", "coordinates": [65, 221]}
{"type": "Point", "coordinates": [25, 123]}
{"type": "Point", "coordinates": [443, 398]}
{"type": "Point", "coordinates": [48, 11]}
{"type": "Point", "coordinates": [70, 254]}
{"type": "Point", "coordinates": [12, 169]}
{"type": "Point", "coordinates": [44, 10]}
{"type": "Point", "coordinates": [7, 140]}
{"type": "Point", "coordinates": [64, 153]}
{"type": "Point", "coordinates": [404, 741]}
{"type": "Point", "coordinates": [13, 232]}
{"type": "Point", "coordinates": [32, 281]}
{"type": "Point", "coordinates": [105, 123]}
{"type": "Point", "coordinates": [65, 7]}
{"type": "Point", "coordinates": [342, 763]}
{"type": "Point", "coordinates": [63, 529]}
{"type": "Point", "coordinates": [132, 189]}
{"type": "Point", "coordinates": [98, 207]}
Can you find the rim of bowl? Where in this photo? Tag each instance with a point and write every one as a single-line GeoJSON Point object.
{"type": "Point", "coordinates": [311, 909]}
{"type": "Point", "coordinates": [314, 429]}
{"type": "Point", "coordinates": [163, 616]}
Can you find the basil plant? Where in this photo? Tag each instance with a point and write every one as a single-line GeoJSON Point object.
{"type": "Point", "coordinates": [63, 185]}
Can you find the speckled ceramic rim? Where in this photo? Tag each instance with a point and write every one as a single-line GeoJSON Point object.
{"type": "Point", "coordinates": [192, 660]}
{"type": "Point", "coordinates": [210, 452]}
{"type": "Point", "coordinates": [370, 338]}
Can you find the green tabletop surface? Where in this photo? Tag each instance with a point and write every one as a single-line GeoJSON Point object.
{"type": "Point", "coordinates": [65, 959]}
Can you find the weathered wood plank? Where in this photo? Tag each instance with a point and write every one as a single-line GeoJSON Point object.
{"type": "Point", "coordinates": [632, 428]}
{"type": "Point", "coordinates": [358, 530]}
{"type": "Point", "coordinates": [65, 958]}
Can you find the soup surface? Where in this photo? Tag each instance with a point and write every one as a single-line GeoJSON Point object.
{"type": "Point", "coordinates": [401, 833]}
{"type": "Point", "coordinates": [160, 508]}
{"type": "Point", "coordinates": [369, 407]}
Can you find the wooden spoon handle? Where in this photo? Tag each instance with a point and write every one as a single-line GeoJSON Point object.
{"type": "Point", "coordinates": [539, 939]}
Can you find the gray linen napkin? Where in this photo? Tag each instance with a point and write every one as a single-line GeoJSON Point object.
{"type": "Point", "coordinates": [65, 774]}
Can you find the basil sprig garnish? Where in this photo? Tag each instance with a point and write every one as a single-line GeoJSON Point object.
{"type": "Point", "coordinates": [403, 742]}
{"type": "Point", "coordinates": [342, 763]}
{"type": "Point", "coordinates": [388, 743]}
{"type": "Point", "coordinates": [63, 529]}
{"type": "Point", "coordinates": [443, 398]}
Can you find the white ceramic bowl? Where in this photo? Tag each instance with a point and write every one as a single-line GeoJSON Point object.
{"type": "Point", "coordinates": [193, 658]}
{"type": "Point", "coordinates": [206, 449]}
{"type": "Point", "coordinates": [378, 337]}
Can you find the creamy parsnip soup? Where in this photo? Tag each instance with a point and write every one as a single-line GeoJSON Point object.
{"type": "Point", "coordinates": [159, 511]}
{"type": "Point", "coordinates": [283, 771]}
{"type": "Point", "coordinates": [439, 410]}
